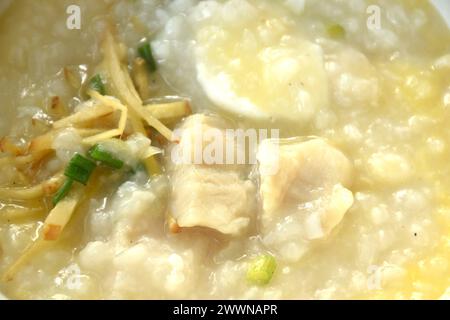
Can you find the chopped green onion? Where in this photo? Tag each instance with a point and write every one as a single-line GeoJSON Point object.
{"type": "Point", "coordinates": [80, 169]}
{"type": "Point", "coordinates": [62, 192]}
{"type": "Point", "coordinates": [145, 52]}
{"type": "Point", "coordinates": [261, 269]}
{"type": "Point", "coordinates": [96, 83]}
{"type": "Point", "coordinates": [336, 31]}
{"type": "Point", "coordinates": [105, 157]}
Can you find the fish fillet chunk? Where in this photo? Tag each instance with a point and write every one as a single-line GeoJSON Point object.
{"type": "Point", "coordinates": [204, 194]}
{"type": "Point", "coordinates": [304, 192]}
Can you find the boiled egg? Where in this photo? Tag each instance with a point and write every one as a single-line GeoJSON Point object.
{"type": "Point", "coordinates": [252, 60]}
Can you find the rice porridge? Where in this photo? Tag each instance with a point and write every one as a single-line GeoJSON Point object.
{"type": "Point", "coordinates": [92, 205]}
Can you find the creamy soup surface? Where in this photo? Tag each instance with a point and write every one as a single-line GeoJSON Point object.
{"type": "Point", "coordinates": [347, 196]}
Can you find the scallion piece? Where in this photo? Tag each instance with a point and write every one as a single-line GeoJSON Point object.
{"type": "Point", "coordinates": [145, 52]}
{"type": "Point", "coordinates": [62, 192]}
{"type": "Point", "coordinates": [105, 157]}
{"type": "Point", "coordinates": [336, 31]}
{"type": "Point", "coordinates": [261, 269]}
{"type": "Point", "coordinates": [80, 169]}
{"type": "Point", "coordinates": [96, 83]}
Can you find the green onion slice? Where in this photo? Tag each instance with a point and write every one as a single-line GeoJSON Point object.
{"type": "Point", "coordinates": [80, 169]}
{"type": "Point", "coordinates": [96, 83]}
{"type": "Point", "coordinates": [105, 157]}
{"type": "Point", "coordinates": [62, 192]}
{"type": "Point", "coordinates": [145, 52]}
{"type": "Point", "coordinates": [261, 269]}
{"type": "Point", "coordinates": [336, 31]}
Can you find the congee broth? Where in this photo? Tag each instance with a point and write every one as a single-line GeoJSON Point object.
{"type": "Point", "coordinates": [235, 149]}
